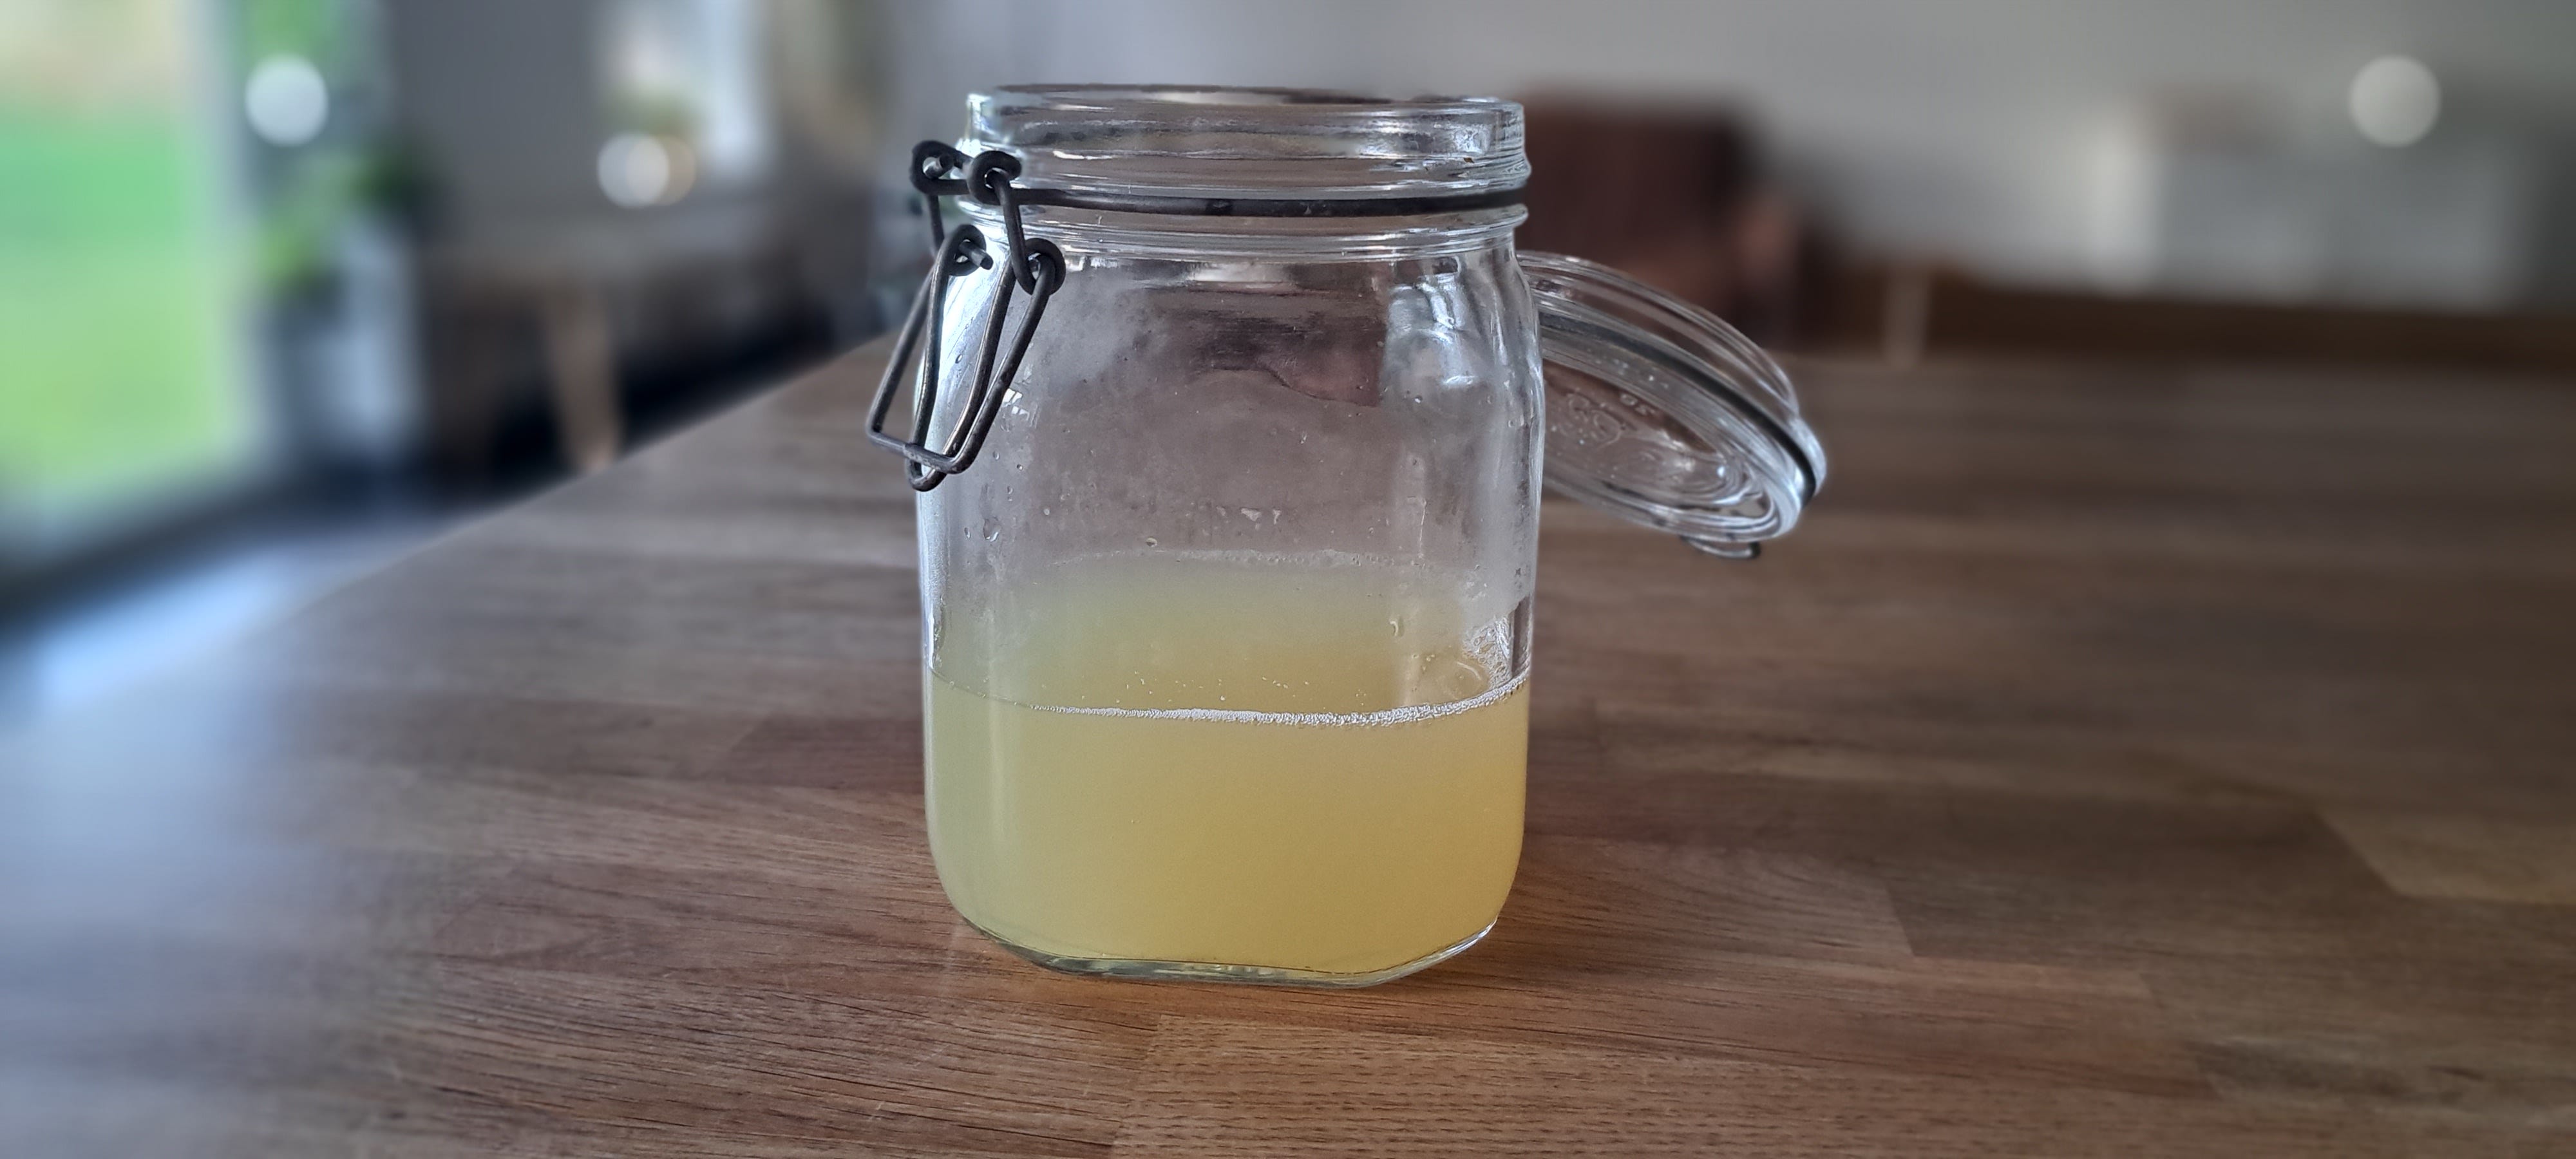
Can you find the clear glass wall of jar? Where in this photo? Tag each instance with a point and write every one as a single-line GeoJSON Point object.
{"type": "Point", "coordinates": [1227, 628]}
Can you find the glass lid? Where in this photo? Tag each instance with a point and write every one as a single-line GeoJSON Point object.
{"type": "Point", "coordinates": [1663, 415]}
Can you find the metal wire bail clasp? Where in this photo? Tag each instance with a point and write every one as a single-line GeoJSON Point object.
{"type": "Point", "coordinates": [1035, 266]}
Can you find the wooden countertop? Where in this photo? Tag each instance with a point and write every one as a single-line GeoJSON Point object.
{"type": "Point", "coordinates": [2119, 762]}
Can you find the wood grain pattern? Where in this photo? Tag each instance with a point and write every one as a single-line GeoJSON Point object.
{"type": "Point", "coordinates": [2120, 762]}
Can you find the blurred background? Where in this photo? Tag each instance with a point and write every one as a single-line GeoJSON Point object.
{"type": "Point", "coordinates": [289, 286]}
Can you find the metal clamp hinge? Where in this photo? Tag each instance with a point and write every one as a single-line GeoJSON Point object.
{"type": "Point", "coordinates": [1035, 266]}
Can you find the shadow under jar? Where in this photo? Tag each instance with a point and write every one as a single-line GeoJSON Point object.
{"type": "Point", "coordinates": [1226, 575]}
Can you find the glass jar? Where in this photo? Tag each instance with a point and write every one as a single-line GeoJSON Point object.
{"type": "Point", "coordinates": [1228, 432]}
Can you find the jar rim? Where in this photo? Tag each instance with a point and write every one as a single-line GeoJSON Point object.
{"type": "Point", "coordinates": [1228, 142]}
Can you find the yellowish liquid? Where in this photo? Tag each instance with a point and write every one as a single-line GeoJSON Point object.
{"type": "Point", "coordinates": [1177, 761]}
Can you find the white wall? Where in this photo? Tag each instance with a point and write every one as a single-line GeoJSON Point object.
{"type": "Point", "coordinates": [504, 96]}
{"type": "Point", "coordinates": [1971, 128]}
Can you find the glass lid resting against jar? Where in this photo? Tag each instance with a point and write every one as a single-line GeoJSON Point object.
{"type": "Point", "coordinates": [1228, 410]}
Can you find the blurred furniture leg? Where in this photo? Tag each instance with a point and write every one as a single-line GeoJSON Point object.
{"type": "Point", "coordinates": [488, 313]}
{"type": "Point", "coordinates": [468, 361]}
{"type": "Point", "coordinates": [582, 364]}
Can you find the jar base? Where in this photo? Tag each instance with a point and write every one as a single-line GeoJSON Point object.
{"type": "Point", "coordinates": [1153, 971]}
